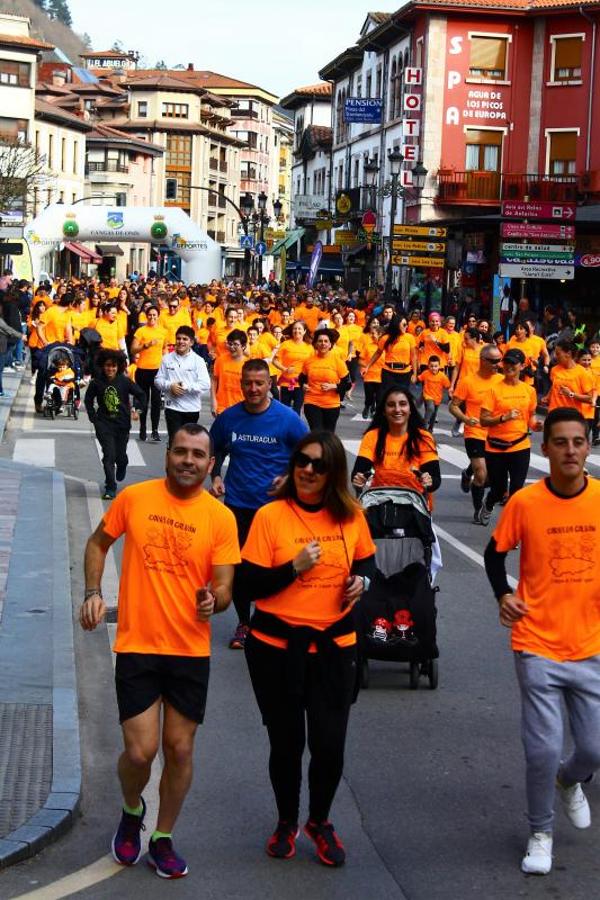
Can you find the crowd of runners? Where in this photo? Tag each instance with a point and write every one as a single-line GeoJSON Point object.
{"type": "Point", "coordinates": [289, 544]}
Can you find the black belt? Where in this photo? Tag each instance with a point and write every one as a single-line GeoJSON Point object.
{"type": "Point", "coordinates": [398, 367]}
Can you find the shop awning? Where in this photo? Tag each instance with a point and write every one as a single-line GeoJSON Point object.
{"type": "Point", "coordinates": [86, 253]}
{"type": "Point", "coordinates": [286, 242]}
{"type": "Point", "coordinates": [109, 250]}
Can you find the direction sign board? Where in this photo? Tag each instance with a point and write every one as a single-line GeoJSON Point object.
{"type": "Point", "coordinates": [537, 230]}
{"type": "Point", "coordinates": [528, 270]}
{"type": "Point", "coordinates": [8, 232]}
{"type": "Point", "coordinates": [559, 260]}
{"type": "Point", "coordinates": [246, 241]}
{"type": "Point", "coordinates": [11, 249]}
{"type": "Point", "coordinates": [261, 248]}
{"type": "Point", "coordinates": [345, 238]}
{"type": "Point", "coordinates": [419, 262]}
{"type": "Point", "coordinates": [420, 231]}
{"type": "Point", "coordinates": [542, 209]}
{"type": "Point", "coordinates": [509, 247]}
{"type": "Point", "coordinates": [427, 246]}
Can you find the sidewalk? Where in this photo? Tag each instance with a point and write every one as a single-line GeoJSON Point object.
{"type": "Point", "coordinates": [40, 768]}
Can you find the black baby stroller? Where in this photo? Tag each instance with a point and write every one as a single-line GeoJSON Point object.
{"type": "Point", "coordinates": [397, 615]}
{"type": "Point", "coordinates": [53, 401]}
{"type": "Point", "coordinates": [89, 345]}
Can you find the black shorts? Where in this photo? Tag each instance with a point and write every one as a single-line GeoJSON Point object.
{"type": "Point", "coordinates": [141, 678]}
{"type": "Point", "coordinates": [475, 448]}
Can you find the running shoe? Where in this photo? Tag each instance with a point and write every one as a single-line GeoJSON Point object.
{"type": "Point", "coordinates": [121, 472]}
{"type": "Point", "coordinates": [142, 433]}
{"type": "Point", "coordinates": [456, 429]}
{"type": "Point", "coordinates": [126, 844]}
{"type": "Point", "coordinates": [476, 517]}
{"type": "Point", "coordinates": [575, 805]}
{"type": "Point", "coordinates": [282, 843]}
{"type": "Point", "coordinates": [484, 515]}
{"type": "Point", "coordinates": [109, 495]}
{"type": "Point", "coordinates": [538, 857]}
{"type": "Point", "coordinates": [465, 481]}
{"type": "Point", "coordinates": [155, 436]}
{"type": "Point", "coordinates": [164, 860]}
{"type": "Point", "coordinates": [238, 640]}
{"type": "Point", "coordinates": [330, 849]}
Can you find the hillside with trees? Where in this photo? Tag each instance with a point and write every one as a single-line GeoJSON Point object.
{"type": "Point", "coordinates": [50, 21]}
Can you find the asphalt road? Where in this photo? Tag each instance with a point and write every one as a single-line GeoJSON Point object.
{"type": "Point", "coordinates": [432, 803]}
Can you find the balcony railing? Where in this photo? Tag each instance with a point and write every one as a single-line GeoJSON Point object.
{"type": "Point", "coordinates": [109, 165]}
{"type": "Point", "coordinates": [244, 113]}
{"type": "Point", "coordinates": [490, 188]}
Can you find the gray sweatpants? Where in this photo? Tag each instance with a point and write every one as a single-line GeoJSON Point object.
{"type": "Point", "coordinates": [543, 683]}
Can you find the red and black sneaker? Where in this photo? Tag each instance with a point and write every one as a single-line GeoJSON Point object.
{"type": "Point", "coordinates": [282, 843]}
{"type": "Point", "coordinates": [127, 843]}
{"type": "Point", "coordinates": [330, 849]}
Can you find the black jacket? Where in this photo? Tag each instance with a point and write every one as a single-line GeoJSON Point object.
{"type": "Point", "coordinates": [112, 400]}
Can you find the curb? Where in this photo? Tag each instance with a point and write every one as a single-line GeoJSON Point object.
{"type": "Point", "coordinates": [6, 408]}
{"type": "Point", "coordinates": [57, 814]}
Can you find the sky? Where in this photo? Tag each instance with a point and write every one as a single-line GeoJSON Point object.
{"type": "Point", "coordinates": [274, 44]}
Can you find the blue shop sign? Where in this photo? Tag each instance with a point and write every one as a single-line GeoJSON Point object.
{"type": "Point", "coordinates": [363, 109]}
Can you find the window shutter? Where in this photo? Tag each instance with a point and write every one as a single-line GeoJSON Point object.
{"type": "Point", "coordinates": [485, 138]}
{"type": "Point", "coordinates": [568, 53]}
{"type": "Point", "coordinates": [563, 145]}
{"type": "Point", "coordinates": [488, 53]}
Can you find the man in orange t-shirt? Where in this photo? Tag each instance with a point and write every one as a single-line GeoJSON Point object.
{"type": "Point", "coordinates": [554, 616]}
{"type": "Point", "coordinates": [177, 571]}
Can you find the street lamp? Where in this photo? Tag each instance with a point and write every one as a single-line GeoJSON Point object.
{"type": "Point", "coordinates": [371, 171]}
{"type": "Point", "coordinates": [277, 207]}
{"type": "Point", "coordinates": [395, 159]}
{"type": "Point", "coordinates": [262, 205]}
{"type": "Point", "coordinates": [419, 175]}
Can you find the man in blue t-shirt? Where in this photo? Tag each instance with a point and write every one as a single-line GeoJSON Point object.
{"type": "Point", "coordinates": [258, 435]}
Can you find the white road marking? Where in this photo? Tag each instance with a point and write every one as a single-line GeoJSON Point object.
{"type": "Point", "coordinates": [134, 454]}
{"type": "Point", "coordinates": [466, 551]}
{"type": "Point", "coordinates": [35, 452]}
{"type": "Point", "coordinates": [29, 414]}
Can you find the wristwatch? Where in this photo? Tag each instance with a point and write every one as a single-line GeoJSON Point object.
{"type": "Point", "coordinates": [366, 583]}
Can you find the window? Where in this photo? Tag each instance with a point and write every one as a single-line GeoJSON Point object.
{"type": "Point", "coordinates": [567, 55]}
{"type": "Point", "coordinates": [355, 174]}
{"type": "Point", "coordinates": [14, 73]}
{"type": "Point", "coordinates": [179, 151]}
{"type": "Point", "coordinates": [74, 197]}
{"type": "Point", "coordinates": [75, 154]}
{"type": "Point", "coordinates": [393, 76]}
{"type": "Point", "coordinates": [563, 153]}
{"type": "Point", "coordinates": [359, 84]}
{"type": "Point", "coordinates": [142, 109]}
{"type": "Point", "coordinates": [50, 151]}
{"type": "Point", "coordinates": [175, 110]}
{"type": "Point", "coordinates": [63, 153]}
{"type": "Point", "coordinates": [369, 85]}
{"type": "Point", "coordinates": [378, 82]}
{"type": "Point", "coordinates": [488, 58]}
{"type": "Point", "coordinates": [483, 150]}
{"type": "Point", "coordinates": [13, 129]}
{"type": "Point", "coordinates": [248, 170]}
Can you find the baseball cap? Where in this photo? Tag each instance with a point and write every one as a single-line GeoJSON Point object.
{"type": "Point", "coordinates": [514, 357]}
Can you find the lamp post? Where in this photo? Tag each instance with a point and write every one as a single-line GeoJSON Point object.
{"type": "Point", "coordinates": [262, 205]}
{"type": "Point", "coordinates": [277, 207]}
{"type": "Point", "coordinates": [395, 159]}
{"type": "Point", "coordinates": [246, 205]}
{"type": "Point", "coordinates": [370, 173]}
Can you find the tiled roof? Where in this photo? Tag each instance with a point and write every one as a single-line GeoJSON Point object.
{"type": "Point", "coordinates": [379, 17]}
{"type": "Point", "coordinates": [22, 41]}
{"type": "Point", "coordinates": [201, 78]}
{"type": "Point", "coordinates": [107, 132]}
{"type": "Point", "coordinates": [161, 81]}
{"type": "Point", "coordinates": [45, 110]}
{"type": "Point", "coordinates": [527, 6]}
{"type": "Point", "coordinates": [106, 54]}
{"type": "Point", "coordinates": [161, 125]}
{"type": "Point", "coordinates": [323, 88]}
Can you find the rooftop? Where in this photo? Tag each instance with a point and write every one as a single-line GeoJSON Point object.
{"type": "Point", "coordinates": [45, 110]}
{"type": "Point", "coordinates": [19, 40]}
{"type": "Point", "coordinates": [105, 54]}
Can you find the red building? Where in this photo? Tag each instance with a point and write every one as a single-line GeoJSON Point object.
{"type": "Point", "coordinates": [510, 111]}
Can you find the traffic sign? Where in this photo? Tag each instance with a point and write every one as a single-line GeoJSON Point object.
{"type": "Point", "coordinates": [343, 237]}
{"type": "Point", "coordinates": [542, 209]}
{"type": "Point", "coordinates": [261, 248]}
{"type": "Point", "coordinates": [420, 231]}
{"type": "Point", "coordinates": [11, 231]}
{"type": "Point", "coordinates": [509, 247]}
{"type": "Point", "coordinates": [561, 259]}
{"type": "Point", "coordinates": [246, 241]}
{"type": "Point", "coordinates": [11, 249]}
{"type": "Point", "coordinates": [537, 230]}
{"type": "Point", "coordinates": [420, 262]}
{"type": "Point", "coordinates": [428, 247]}
{"type": "Point", "coordinates": [530, 270]}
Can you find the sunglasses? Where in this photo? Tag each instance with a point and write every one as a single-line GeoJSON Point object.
{"type": "Point", "coordinates": [302, 460]}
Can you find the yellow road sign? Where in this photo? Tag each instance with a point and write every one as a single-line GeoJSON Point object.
{"type": "Point", "coordinates": [420, 231]}
{"type": "Point", "coordinates": [415, 246]}
{"type": "Point", "coordinates": [345, 238]}
{"type": "Point", "coordinates": [427, 262]}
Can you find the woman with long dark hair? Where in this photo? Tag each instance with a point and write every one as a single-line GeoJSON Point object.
{"type": "Point", "coordinates": [399, 350]}
{"type": "Point", "coordinates": [325, 375]}
{"type": "Point", "coordinates": [306, 562]}
{"type": "Point", "coordinates": [397, 449]}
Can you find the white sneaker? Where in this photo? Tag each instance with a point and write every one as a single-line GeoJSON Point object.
{"type": "Point", "coordinates": [575, 805]}
{"type": "Point", "coordinates": [538, 858]}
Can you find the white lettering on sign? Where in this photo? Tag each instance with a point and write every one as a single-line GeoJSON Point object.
{"type": "Point", "coordinates": [412, 102]}
{"type": "Point", "coordinates": [452, 116]}
{"type": "Point", "coordinates": [455, 45]}
{"type": "Point", "coordinates": [411, 127]}
{"type": "Point", "coordinates": [453, 79]}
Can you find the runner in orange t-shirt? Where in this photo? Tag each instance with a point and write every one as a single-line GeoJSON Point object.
{"type": "Point", "coordinates": [508, 413]}
{"type": "Point", "coordinates": [554, 618]}
{"type": "Point", "coordinates": [367, 346]}
{"type": "Point", "coordinates": [226, 382]}
{"type": "Point", "coordinates": [434, 384]}
{"type": "Point", "coordinates": [322, 374]}
{"type": "Point", "coordinates": [307, 560]}
{"type": "Point", "coordinates": [399, 351]}
{"type": "Point", "coordinates": [177, 571]}
{"type": "Point", "coordinates": [571, 384]}
{"type": "Point", "coordinates": [149, 342]}
{"type": "Point", "coordinates": [289, 359]}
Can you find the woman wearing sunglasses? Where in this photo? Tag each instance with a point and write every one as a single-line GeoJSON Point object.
{"type": "Point", "coordinates": [397, 449]}
{"type": "Point", "coordinates": [306, 562]}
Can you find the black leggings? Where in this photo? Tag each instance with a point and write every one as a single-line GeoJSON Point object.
{"type": "Point", "coordinates": [289, 718]}
{"type": "Point", "coordinates": [144, 378]}
{"type": "Point", "coordinates": [243, 520]}
{"type": "Point", "coordinates": [113, 441]}
{"type": "Point", "coordinates": [401, 380]}
{"type": "Point", "coordinates": [320, 419]}
{"type": "Point", "coordinates": [371, 391]}
{"type": "Point", "coordinates": [504, 466]}
{"type": "Point", "coordinates": [175, 419]}
{"type": "Point", "coordinates": [293, 397]}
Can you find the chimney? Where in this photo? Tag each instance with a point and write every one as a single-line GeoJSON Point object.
{"type": "Point", "coordinates": [59, 78]}
{"type": "Point", "coordinates": [190, 67]}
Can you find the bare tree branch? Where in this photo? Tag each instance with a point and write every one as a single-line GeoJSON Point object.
{"type": "Point", "coordinates": [22, 172]}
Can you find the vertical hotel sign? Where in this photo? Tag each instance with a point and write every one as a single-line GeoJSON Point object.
{"type": "Point", "coordinates": [412, 108]}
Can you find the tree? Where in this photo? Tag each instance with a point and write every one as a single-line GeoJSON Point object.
{"type": "Point", "coordinates": [161, 64]}
{"type": "Point", "coordinates": [118, 47]}
{"type": "Point", "coordinates": [85, 40]}
{"type": "Point", "coordinates": [22, 172]}
{"type": "Point", "coordinates": [59, 9]}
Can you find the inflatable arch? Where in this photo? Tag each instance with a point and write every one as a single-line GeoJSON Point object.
{"type": "Point", "coordinates": [201, 255]}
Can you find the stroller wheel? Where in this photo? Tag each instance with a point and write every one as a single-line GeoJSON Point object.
{"type": "Point", "coordinates": [415, 671]}
{"type": "Point", "coordinates": [432, 673]}
{"type": "Point", "coordinates": [364, 674]}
